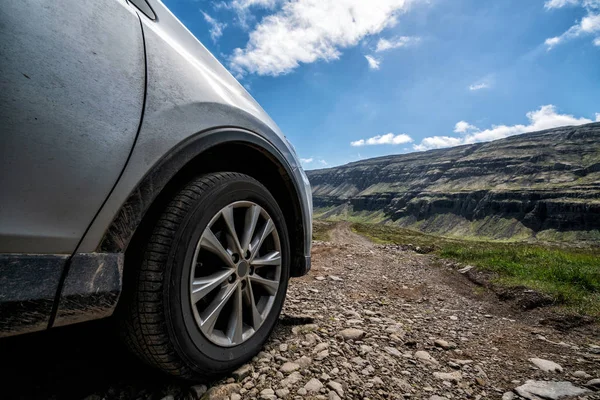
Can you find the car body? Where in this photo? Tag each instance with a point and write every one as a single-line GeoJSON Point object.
{"type": "Point", "coordinates": [106, 107]}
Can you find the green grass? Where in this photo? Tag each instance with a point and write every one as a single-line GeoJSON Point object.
{"type": "Point", "coordinates": [321, 230]}
{"type": "Point", "coordinates": [570, 275]}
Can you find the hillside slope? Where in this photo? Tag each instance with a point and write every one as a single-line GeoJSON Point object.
{"type": "Point", "coordinates": [544, 184]}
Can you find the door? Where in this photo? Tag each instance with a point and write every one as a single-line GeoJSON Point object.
{"type": "Point", "coordinates": [71, 96]}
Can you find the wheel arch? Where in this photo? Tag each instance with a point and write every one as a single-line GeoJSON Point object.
{"type": "Point", "coordinates": [224, 149]}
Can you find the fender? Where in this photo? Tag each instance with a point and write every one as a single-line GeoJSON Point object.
{"type": "Point", "coordinates": [121, 230]}
{"type": "Point", "coordinates": [94, 282]}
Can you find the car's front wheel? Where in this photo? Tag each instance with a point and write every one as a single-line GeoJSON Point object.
{"type": "Point", "coordinates": [212, 279]}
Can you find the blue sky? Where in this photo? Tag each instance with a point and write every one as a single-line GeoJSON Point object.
{"type": "Point", "coordinates": [353, 79]}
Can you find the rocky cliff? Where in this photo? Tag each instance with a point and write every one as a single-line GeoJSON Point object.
{"type": "Point", "coordinates": [544, 184]}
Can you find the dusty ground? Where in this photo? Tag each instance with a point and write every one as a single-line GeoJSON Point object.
{"type": "Point", "coordinates": [399, 303]}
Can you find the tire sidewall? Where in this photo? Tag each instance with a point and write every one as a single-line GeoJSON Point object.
{"type": "Point", "coordinates": [189, 341]}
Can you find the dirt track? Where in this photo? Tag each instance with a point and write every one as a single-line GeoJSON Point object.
{"type": "Point", "coordinates": [398, 302]}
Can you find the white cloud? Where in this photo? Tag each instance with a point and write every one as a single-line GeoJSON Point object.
{"type": "Point", "coordinates": [559, 3]}
{"type": "Point", "coordinates": [323, 162]}
{"type": "Point", "coordinates": [373, 62]}
{"type": "Point", "coordinates": [305, 31]}
{"type": "Point", "coordinates": [545, 117]}
{"type": "Point", "coordinates": [394, 43]}
{"type": "Point", "coordinates": [216, 27]}
{"type": "Point", "coordinates": [307, 160]}
{"type": "Point", "coordinates": [463, 127]}
{"type": "Point", "coordinates": [388, 138]}
{"type": "Point", "coordinates": [589, 25]}
{"type": "Point", "coordinates": [437, 142]}
{"type": "Point", "coordinates": [479, 86]}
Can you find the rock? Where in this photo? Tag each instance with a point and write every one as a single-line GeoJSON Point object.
{"type": "Point", "coordinates": [395, 329]}
{"type": "Point", "coordinates": [352, 334]}
{"type": "Point", "coordinates": [425, 357]}
{"type": "Point", "coordinates": [436, 397]}
{"type": "Point", "coordinates": [508, 396]}
{"type": "Point", "coordinates": [242, 372]}
{"type": "Point", "coordinates": [377, 381]}
{"type": "Point", "coordinates": [551, 390]}
{"type": "Point", "coordinates": [302, 392]}
{"type": "Point", "coordinates": [322, 355]}
{"type": "Point", "coordinates": [167, 397]}
{"type": "Point", "coordinates": [235, 396]}
{"type": "Point", "coordinates": [546, 365]}
{"type": "Point", "coordinates": [335, 278]}
{"type": "Point", "coordinates": [304, 328]}
{"type": "Point", "coordinates": [581, 375]}
{"type": "Point", "coordinates": [454, 376]}
{"type": "Point", "coordinates": [364, 349]}
{"type": "Point", "coordinates": [595, 383]}
{"type": "Point", "coordinates": [267, 392]}
{"type": "Point", "coordinates": [333, 396]}
{"type": "Point", "coordinates": [337, 387]}
{"type": "Point", "coordinates": [445, 345]}
{"type": "Point", "coordinates": [453, 318]}
{"type": "Point", "coordinates": [197, 391]}
{"type": "Point", "coordinates": [466, 269]}
{"type": "Point", "coordinates": [304, 361]}
{"type": "Point", "coordinates": [289, 367]}
{"type": "Point", "coordinates": [314, 385]}
{"type": "Point", "coordinates": [320, 278]}
{"type": "Point", "coordinates": [393, 351]}
{"type": "Point", "coordinates": [222, 392]}
{"type": "Point", "coordinates": [320, 347]}
{"type": "Point", "coordinates": [292, 379]}
{"type": "Point", "coordinates": [282, 393]}
{"type": "Point", "coordinates": [283, 347]}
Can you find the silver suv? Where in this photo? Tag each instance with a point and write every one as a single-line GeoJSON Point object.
{"type": "Point", "coordinates": [140, 180]}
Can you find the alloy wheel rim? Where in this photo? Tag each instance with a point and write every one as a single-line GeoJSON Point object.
{"type": "Point", "coordinates": [235, 274]}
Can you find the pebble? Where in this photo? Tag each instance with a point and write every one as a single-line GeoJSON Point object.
{"type": "Point", "coordinates": [595, 383]}
{"type": "Point", "coordinates": [282, 393]}
{"type": "Point", "coordinates": [533, 390]}
{"type": "Point", "coordinates": [393, 351]}
{"type": "Point", "coordinates": [425, 357]}
{"type": "Point", "coordinates": [198, 391]}
{"type": "Point", "coordinates": [445, 345]}
{"type": "Point", "coordinates": [508, 396]}
{"type": "Point", "coordinates": [314, 385]}
{"type": "Point", "coordinates": [455, 376]}
{"type": "Point", "coordinates": [242, 372]}
{"type": "Point", "coordinates": [320, 347]}
{"type": "Point", "coordinates": [289, 367]}
{"type": "Point", "coordinates": [352, 334]}
{"type": "Point", "coordinates": [337, 387]}
{"type": "Point", "coordinates": [581, 375]}
{"type": "Point", "coordinates": [546, 365]}
{"type": "Point", "coordinates": [222, 392]}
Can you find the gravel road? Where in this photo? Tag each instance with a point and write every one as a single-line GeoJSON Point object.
{"type": "Point", "coordinates": [368, 322]}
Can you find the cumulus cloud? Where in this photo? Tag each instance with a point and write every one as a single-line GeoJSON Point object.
{"type": "Point", "coordinates": [464, 127]}
{"type": "Point", "coordinates": [388, 138]}
{"type": "Point", "coordinates": [589, 25]}
{"type": "Point", "coordinates": [479, 86]}
{"type": "Point", "coordinates": [305, 31]}
{"type": "Point", "coordinates": [394, 43]}
{"type": "Point", "coordinates": [373, 62]}
{"type": "Point", "coordinates": [216, 27]}
{"type": "Point", "coordinates": [546, 117]}
{"type": "Point", "coordinates": [559, 3]}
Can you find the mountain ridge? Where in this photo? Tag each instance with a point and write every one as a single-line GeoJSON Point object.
{"type": "Point", "coordinates": [540, 183]}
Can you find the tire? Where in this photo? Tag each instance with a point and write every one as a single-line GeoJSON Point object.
{"type": "Point", "coordinates": [164, 322]}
